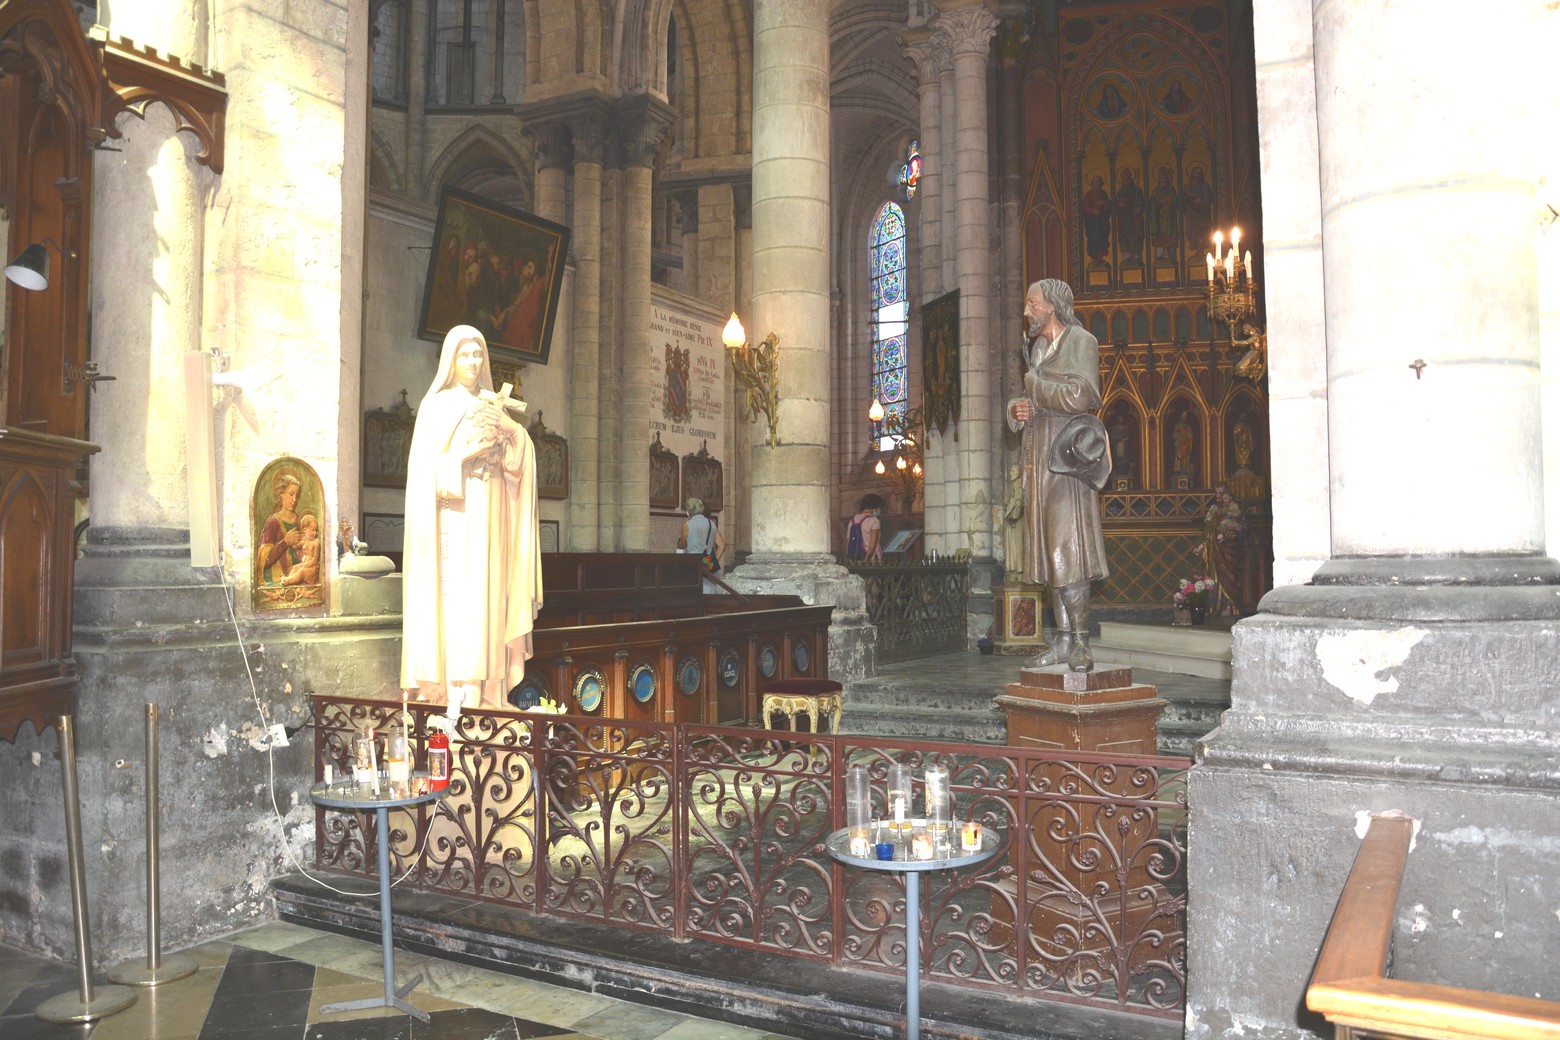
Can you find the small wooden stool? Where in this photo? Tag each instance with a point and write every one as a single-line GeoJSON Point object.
{"type": "Point", "coordinates": [810, 697]}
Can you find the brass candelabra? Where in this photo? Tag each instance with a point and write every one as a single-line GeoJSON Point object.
{"type": "Point", "coordinates": [758, 370]}
{"type": "Point", "coordinates": [1232, 299]}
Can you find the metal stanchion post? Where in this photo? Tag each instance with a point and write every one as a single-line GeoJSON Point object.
{"type": "Point", "coordinates": [84, 1005]}
{"type": "Point", "coordinates": [157, 968]}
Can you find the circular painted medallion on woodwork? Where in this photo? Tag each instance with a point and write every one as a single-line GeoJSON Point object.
{"type": "Point", "coordinates": [690, 673]}
{"type": "Point", "coordinates": [588, 686]}
{"type": "Point", "coordinates": [641, 681]}
{"type": "Point", "coordinates": [730, 668]}
{"type": "Point", "coordinates": [768, 661]}
{"type": "Point", "coordinates": [528, 694]}
{"type": "Point", "coordinates": [801, 656]}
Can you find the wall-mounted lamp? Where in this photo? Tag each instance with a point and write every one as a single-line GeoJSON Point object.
{"type": "Point", "coordinates": [758, 370]}
{"type": "Point", "coordinates": [30, 269]}
{"type": "Point", "coordinates": [901, 427]}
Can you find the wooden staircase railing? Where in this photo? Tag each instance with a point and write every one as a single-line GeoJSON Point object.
{"type": "Point", "coordinates": [1349, 984]}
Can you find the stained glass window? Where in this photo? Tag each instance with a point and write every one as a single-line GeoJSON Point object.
{"type": "Point", "coordinates": [890, 312]}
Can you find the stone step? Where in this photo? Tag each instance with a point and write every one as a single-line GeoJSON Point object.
{"type": "Point", "coordinates": [1183, 650]}
{"type": "Point", "coordinates": [965, 727]}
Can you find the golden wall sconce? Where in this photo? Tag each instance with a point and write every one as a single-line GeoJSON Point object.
{"type": "Point", "coordinates": [758, 370]}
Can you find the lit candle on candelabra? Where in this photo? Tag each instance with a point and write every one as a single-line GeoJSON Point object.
{"type": "Point", "coordinates": [1210, 268]}
{"type": "Point", "coordinates": [1218, 245]}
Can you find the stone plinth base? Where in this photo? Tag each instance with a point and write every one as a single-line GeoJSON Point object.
{"type": "Point", "coordinates": [1017, 611]}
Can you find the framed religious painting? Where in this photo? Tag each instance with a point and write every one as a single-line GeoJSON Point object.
{"type": "Point", "coordinates": [703, 477]}
{"type": "Point", "coordinates": [292, 536]}
{"type": "Point", "coordinates": [387, 444]}
{"type": "Point", "coordinates": [663, 476]}
{"type": "Point", "coordinates": [552, 460]}
{"type": "Point", "coordinates": [940, 361]}
{"type": "Point", "coordinates": [498, 270]}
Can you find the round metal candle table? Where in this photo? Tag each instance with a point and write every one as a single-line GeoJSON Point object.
{"type": "Point", "coordinates": [353, 797]}
{"type": "Point", "coordinates": [838, 845]}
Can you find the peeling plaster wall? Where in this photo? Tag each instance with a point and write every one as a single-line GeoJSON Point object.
{"type": "Point", "coordinates": [221, 840]}
{"type": "Point", "coordinates": [1454, 723]}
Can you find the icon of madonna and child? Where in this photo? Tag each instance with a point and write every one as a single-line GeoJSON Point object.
{"type": "Point", "coordinates": [289, 551]}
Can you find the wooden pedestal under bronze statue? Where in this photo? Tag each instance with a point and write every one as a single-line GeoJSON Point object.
{"type": "Point", "coordinates": [1094, 897]}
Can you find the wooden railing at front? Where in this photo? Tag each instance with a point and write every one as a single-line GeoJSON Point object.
{"type": "Point", "coordinates": [1350, 986]}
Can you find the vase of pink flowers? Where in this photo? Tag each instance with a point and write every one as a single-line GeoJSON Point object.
{"type": "Point", "coordinates": [1193, 595]}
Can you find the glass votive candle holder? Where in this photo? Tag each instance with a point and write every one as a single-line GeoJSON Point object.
{"type": "Point", "coordinates": [421, 784]}
{"type": "Point", "coordinates": [921, 843]}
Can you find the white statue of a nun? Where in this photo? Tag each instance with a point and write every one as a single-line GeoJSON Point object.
{"type": "Point", "coordinates": [472, 562]}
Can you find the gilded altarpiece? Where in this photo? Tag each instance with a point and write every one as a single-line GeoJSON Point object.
{"type": "Point", "coordinates": [1141, 118]}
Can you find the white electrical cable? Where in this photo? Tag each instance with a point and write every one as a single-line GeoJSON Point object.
{"type": "Point", "coordinates": [270, 754]}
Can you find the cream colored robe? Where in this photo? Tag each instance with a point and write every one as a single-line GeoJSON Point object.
{"type": "Point", "coordinates": [1063, 541]}
{"type": "Point", "coordinates": [473, 574]}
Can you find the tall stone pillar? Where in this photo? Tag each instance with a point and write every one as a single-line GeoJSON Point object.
{"type": "Point", "coordinates": [1418, 671]}
{"type": "Point", "coordinates": [942, 54]}
{"type": "Point", "coordinates": [146, 312]}
{"type": "Point", "coordinates": [644, 122]}
{"type": "Point", "coordinates": [552, 155]}
{"type": "Point", "coordinates": [790, 488]}
{"type": "Point", "coordinates": [739, 519]}
{"type": "Point", "coordinates": [416, 94]}
{"type": "Point", "coordinates": [610, 468]}
{"type": "Point", "coordinates": [1007, 317]}
{"type": "Point", "coordinates": [585, 383]}
{"type": "Point", "coordinates": [1290, 274]}
{"type": "Point", "coordinates": [969, 30]}
{"type": "Point", "coordinates": [926, 207]}
{"type": "Point", "coordinates": [943, 532]}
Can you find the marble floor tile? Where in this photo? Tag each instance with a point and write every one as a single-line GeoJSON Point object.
{"type": "Point", "coordinates": [630, 1022]}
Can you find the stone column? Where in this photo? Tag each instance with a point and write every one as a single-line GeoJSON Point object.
{"type": "Point", "coordinates": [688, 239]}
{"type": "Point", "coordinates": [740, 525]}
{"type": "Point", "coordinates": [146, 310]}
{"type": "Point", "coordinates": [791, 269]}
{"type": "Point", "coordinates": [552, 154]}
{"type": "Point", "coordinates": [791, 188]}
{"type": "Point", "coordinates": [146, 299]}
{"type": "Point", "coordinates": [610, 469]}
{"type": "Point", "coordinates": [942, 55]}
{"type": "Point", "coordinates": [1417, 673]}
{"type": "Point", "coordinates": [1008, 315]}
{"type": "Point", "coordinates": [1398, 238]}
{"type": "Point", "coordinates": [416, 94]}
{"type": "Point", "coordinates": [927, 204]}
{"type": "Point", "coordinates": [927, 208]}
{"type": "Point", "coordinates": [717, 244]}
{"type": "Point", "coordinates": [969, 30]}
{"type": "Point", "coordinates": [943, 492]}
{"type": "Point", "coordinates": [585, 383]}
{"type": "Point", "coordinates": [644, 122]}
{"type": "Point", "coordinates": [1290, 277]}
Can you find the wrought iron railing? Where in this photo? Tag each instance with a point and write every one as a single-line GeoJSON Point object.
{"type": "Point", "coordinates": [718, 833]}
{"type": "Point", "coordinates": [920, 609]}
